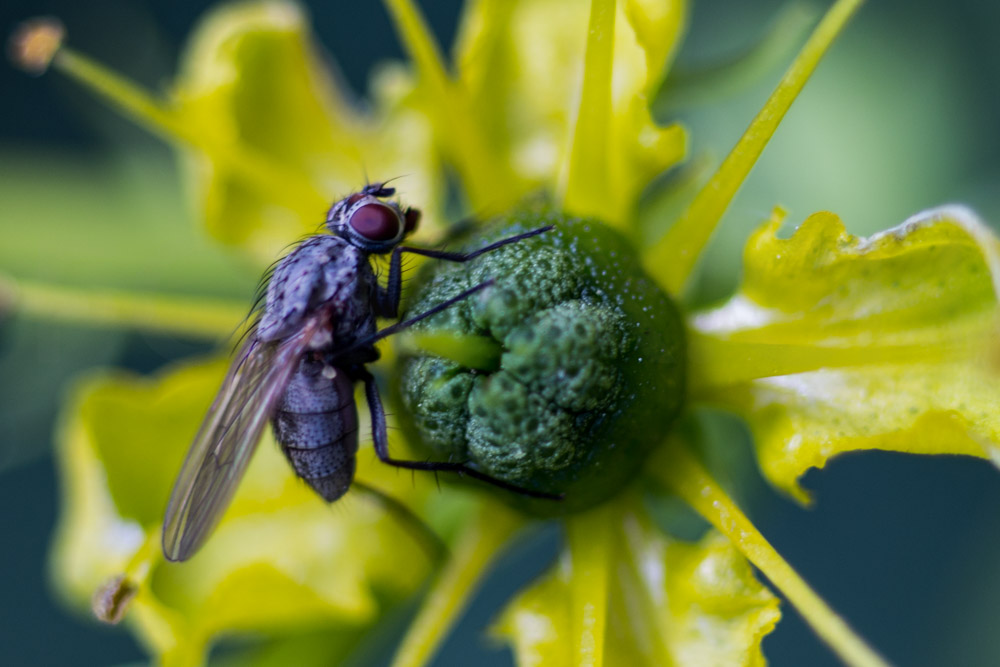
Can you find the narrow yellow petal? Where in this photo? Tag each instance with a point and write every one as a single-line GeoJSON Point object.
{"type": "Point", "coordinates": [160, 118]}
{"type": "Point", "coordinates": [724, 363]}
{"type": "Point", "coordinates": [587, 182]}
{"type": "Point", "coordinates": [671, 261]}
{"type": "Point", "coordinates": [689, 480]}
{"type": "Point", "coordinates": [419, 42]}
{"type": "Point", "coordinates": [487, 184]}
{"type": "Point", "coordinates": [478, 546]}
{"type": "Point", "coordinates": [211, 319]}
{"type": "Point", "coordinates": [129, 97]}
{"type": "Point", "coordinates": [591, 552]}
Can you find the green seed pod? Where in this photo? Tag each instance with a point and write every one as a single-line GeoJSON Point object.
{"type": "Point", "coordinates": [591, 366]}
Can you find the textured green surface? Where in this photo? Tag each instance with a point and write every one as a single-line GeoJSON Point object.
{"type": "Point", "coordinates": [592, 363]}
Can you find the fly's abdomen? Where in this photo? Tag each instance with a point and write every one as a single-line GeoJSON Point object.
{"type": "Point", "coordinates": [316, 423]}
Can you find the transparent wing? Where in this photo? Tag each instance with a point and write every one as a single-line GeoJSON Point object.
{"type": "Point", "coordinates": [228, 437]}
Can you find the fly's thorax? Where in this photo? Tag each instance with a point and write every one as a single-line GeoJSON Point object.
{"type": "Point", "coordinates": [591, 370]}
{"type": "Point", "coordinates": [323, 273]}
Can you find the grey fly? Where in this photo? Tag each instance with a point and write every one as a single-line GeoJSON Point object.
{"type": "Point", "coordinates": [298, 365]}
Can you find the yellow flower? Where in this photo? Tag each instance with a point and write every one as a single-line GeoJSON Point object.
{"type": "Point", "coordinates": [832, 343]}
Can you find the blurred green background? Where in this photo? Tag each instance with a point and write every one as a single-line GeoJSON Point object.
{"type": "Point", "coordinates": [903, 115]}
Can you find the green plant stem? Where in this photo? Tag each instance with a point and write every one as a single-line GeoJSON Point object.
{"type": "Point", "coordinates": [688, 479]}
{"type": "Point", "coordinates": [478, 546]}
{"type": "Point", "coordinates": [205, 318]}
{"type": "Point", "coordinates": [671, 261]}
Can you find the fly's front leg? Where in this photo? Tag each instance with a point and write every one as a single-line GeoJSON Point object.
{"type": "Point", "coordinates": [380, 438]}
{"type": "Point", "coordinates": [389, 296]}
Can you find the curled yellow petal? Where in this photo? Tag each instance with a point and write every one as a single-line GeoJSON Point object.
{"type": "Point", "coordinates": [281, 558]}
{"type": "Point", "coordinates": [837, 343]}
{"type": "Point", "coordinates": [656, 600]}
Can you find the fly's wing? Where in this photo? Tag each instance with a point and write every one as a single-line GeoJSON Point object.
{"type": "Point", "coordinates": [228, 437]}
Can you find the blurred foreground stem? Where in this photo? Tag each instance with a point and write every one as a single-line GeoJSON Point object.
{"type": "Point", "coordinates": [479, 545]}
{"type": "Point", "coordinates": [195, 317]}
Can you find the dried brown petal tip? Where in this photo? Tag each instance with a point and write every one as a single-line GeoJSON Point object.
{"type": "Point", "coordinates": [35, 43]}
{"type": "Point", "coordinates": [111, 600]}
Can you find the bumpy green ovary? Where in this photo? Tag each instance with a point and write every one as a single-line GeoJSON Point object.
{"type": "Point", "coordinates": [591, 375]}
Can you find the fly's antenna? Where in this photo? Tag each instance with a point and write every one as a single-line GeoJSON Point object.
{"type": "Point", "coordinates": [364, 173]}
{"type": "Point", "coordinates": [393, 179]}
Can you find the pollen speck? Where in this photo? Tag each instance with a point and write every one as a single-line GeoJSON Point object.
{"type": "Point", "coordinates": [35, 43]}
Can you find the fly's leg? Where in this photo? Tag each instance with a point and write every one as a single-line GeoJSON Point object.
{"type": "Point", "coordinates": [388, 306]}
{"type": "Point", "coordinates": [345, 356]}
{"type": "Point", "coordinates": [389, 296]}
{"type": "Point", "coordinates": [380, 436]}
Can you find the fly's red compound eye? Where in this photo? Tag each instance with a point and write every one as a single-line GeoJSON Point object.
{"type": "Point", "coordinates": [375, 222]}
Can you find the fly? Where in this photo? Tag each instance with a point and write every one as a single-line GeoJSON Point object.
{"type": "Point", "coordinates": [299, 363]}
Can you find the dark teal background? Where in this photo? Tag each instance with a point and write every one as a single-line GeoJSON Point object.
{"type": "Point", "coordinates": [901, 116]}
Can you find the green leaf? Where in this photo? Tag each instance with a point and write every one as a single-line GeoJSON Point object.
{"type": "Point", "coordinates": [281, 559]}
{"type": "Point", "coordinates": [670, 603]}
{"type": "Point", "coordinates": [836, 343]}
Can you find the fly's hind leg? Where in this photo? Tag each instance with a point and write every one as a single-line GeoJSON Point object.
{"type": "Point", "coordinates": [380, 436]}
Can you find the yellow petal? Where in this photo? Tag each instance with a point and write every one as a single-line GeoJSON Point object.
{"type": "Point", "coordinates": [252, 81]}
{"type": "Point", "coordinates": [522, 65]}
{"type": "Point", "coordinates": [684, 475]}
{"type": "Point", "coordinates": [670, 602]}
{"type": "Point", "coordinates": [672, 259]}
{"type": "Point", "coordinates": [836, 343]}
{"type": "Point", "coordinates": [617, 147]}
{"type": "Point", "coordinates": [281, 558]}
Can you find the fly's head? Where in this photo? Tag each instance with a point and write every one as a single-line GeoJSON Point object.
{"type": "Point", "coordinates": [370, 220]}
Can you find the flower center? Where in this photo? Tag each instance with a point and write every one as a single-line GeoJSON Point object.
{"type": "Point", "coordinates": [591, 371]}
